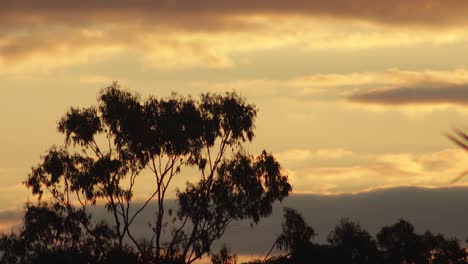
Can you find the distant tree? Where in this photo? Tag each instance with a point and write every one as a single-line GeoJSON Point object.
{"type": "Point", "coordinates": [353, 244]}
{"type": "Point", "coordinates": [56, 234]}
{"type": "Point", "coordinates": [443, 251]}
{"type": "Point", "coordinates": [296, 236]}
{"type": "Point", "coordinates": [400, 244]}
{"type": "Point", "coordinates": [224, 256]}
{"type": "Point", "coordinates": [348, 242]}
{"type": "Point", "coordinates": [109, 146]}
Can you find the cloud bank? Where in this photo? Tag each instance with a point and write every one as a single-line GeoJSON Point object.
{"type": "Point", "coordinates": [420, 94]}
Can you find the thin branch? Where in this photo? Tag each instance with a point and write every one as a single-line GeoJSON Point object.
{"type": "Point", "coordinates": [269, 252]}
{"type": "Point", "coordinates": [209, 157]}
{"type": "Point", "coordinates": [176, 234]}
{"type": "Point", "coordinates": [143, 206]}
{"type": "Point", "coordinates": [109, 143]}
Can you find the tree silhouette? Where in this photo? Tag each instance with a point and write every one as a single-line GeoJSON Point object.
{"type": "Point", "coordinates": [400, 244]}
{"type": "Point", "coordinates": [295, 231]}
{"type": "Point", "coordinates": [443, 251]}
{"type": "Point", "coordinates": [296, 235]}
{"type": "Point", "coordinates": [109, 146]}
{"type": "Point", "coordinates": [224, 256]}
{"type": "Point", "coordinates": [348, 242]}
{"type": "Point", "coordinates": [353, 244]}
{"type": "Point", "coordinates": [57, 234]}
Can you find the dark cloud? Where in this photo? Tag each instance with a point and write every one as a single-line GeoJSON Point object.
{"type": "Point", "coordinates": [421, 94]}
{"type": "Point", "coordinates": [212, 13]}
{"type": "Point", "coordinates": [441, 210]}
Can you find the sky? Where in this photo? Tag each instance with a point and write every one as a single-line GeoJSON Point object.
{"type": "Point", "coordinates": [354, 96]}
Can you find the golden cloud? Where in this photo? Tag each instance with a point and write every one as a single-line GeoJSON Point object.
{"type": "Point", "coordinates": [374, 171]}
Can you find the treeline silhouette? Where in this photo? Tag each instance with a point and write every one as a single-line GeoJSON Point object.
{"type": "Point", "coordinates": [55, 234]}
{"type": "Point", "coordinates": [349, 243]}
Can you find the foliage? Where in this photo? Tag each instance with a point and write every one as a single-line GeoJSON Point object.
{"type": "Point", "coordinates": [224, 257]}
{"type": "Point", "coordinates": [400, 243]}
{"type": "Point", "coordinates": [354, 244]}
{"type": "Point", "coordinates": [296, 234]}
{"type": "Point", "coordinates": [56, 234]}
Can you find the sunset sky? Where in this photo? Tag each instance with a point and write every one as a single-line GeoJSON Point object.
{"type": "Point", "coordinates": [353, 95]}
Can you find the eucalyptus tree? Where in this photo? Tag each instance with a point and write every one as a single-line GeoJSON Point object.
{"type": "Point", "coordinates": [296, 238]}
{"type": "Point", "coordinates": [109, 146]}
